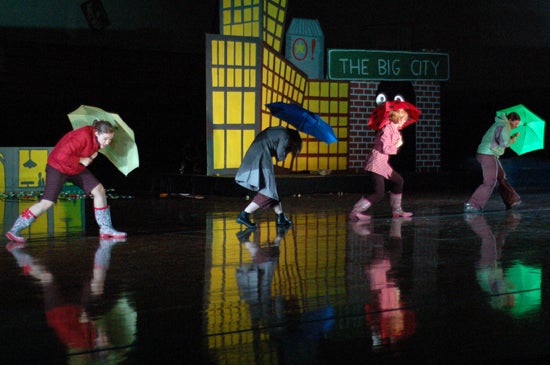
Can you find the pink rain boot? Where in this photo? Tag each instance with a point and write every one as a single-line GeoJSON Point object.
{"type": "Point", "coordinates": [359, 207]}
{"type": "Point", "coordinates": [397, 211]}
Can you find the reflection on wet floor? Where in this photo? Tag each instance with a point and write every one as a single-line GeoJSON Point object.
{"type": "Point", "coordinates": [190, 286]}
{"type": "Point", "coordinates": [70, 313]}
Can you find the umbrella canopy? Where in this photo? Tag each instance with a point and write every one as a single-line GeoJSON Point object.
{"type": "Point", "coordinates": [304, 120]}
{"type": "Point", "coordinates": [122, 151]}
{"type": "Point", "coordinates": [379, 117]}
{"type": "Point", "coordinates": [531, 130]}
{"type": "Point", "coordinates": [525, 283]}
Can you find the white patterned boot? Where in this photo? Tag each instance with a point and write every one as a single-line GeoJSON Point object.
{"type": "Point", "coordinates": [106, 230]}
{"type": "Point", "coordinates": [23, 221]}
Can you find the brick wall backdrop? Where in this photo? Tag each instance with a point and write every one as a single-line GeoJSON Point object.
{"type": "Point", "coordinates": [428, 128]}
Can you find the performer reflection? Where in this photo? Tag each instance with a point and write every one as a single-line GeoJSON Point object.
{"type": "Point", "coordinates": [69, 317]}
{"type": "Point", "coordinates": [489, 271]}
{"type": "Point", "coordinates": [296, 332]}
{"type": "Point", "coordinates": [254, 278]}
{"type": "Point", "coordinates": [386, 317]}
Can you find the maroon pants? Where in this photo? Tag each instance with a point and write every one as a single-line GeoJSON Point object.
{"type": "Point", "coordinates": [493, 176]}
{"type": "Point", "coordinates": [264, 201]}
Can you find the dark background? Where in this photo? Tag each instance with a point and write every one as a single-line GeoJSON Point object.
{"type": "Point", "coordinates": [148, 66]}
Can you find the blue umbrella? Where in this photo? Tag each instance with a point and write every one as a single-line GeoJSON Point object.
{"type": "Point", "coordinates": [304, 120]}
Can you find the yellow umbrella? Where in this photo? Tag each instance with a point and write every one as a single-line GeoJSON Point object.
{"type": "Point", "coordinates": [122, 151]}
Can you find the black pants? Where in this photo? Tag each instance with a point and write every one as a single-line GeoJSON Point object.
{"type": "Point", "coordinates": [378, 181]}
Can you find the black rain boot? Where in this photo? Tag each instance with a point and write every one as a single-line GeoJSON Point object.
{"type": "Point", "coordinates": [244, 236]}
{"type": "Point", "coordinates": [281, 231]}
{"type": "Point", "coordinates": [244, 218]}
{"type": "Point", "coordinates": [282, 220]}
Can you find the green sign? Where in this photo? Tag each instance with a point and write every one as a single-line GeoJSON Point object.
{"type": "Point", "coordinates": [349, 64]}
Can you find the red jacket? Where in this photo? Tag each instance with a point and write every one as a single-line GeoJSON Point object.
{"type": "Point", "coordinates": [65, 156]}
{"type": "Point", "coordinates": [72, 331]}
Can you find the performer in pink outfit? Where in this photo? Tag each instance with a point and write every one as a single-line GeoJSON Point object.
{"type": "Point", "coordinates": [387, 141]}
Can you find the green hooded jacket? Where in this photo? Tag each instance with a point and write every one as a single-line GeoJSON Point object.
{"type": "Point", "coordinates": [497, 137]}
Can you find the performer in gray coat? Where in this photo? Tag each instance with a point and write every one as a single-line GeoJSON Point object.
{"type": "Point", "coordinates": [256, 172]}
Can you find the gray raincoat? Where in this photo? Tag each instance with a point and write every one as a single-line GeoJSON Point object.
{"type": "Point", "coordinates": [256, 172]}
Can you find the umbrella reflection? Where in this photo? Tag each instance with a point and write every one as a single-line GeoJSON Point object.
{"type": "Point", "coordinates": [254, 278]}
{"type": "Point", "coordinates": [489, 271]}
{"type": "Point", "coordinates": [295, 333]}
{"type": "Point", "coordinates": [503, 283]}
{"type": "Point", "coordinates": [254, 282]}
{"type": "Point", "coordinates": [85, 335]}
{"type": "Point", "coordinates": [386, 317]}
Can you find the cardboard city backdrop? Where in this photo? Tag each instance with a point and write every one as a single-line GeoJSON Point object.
{"type": "Point", "coordinates": [149, 65]}
{"type": "Point", "coordinates": [248, 68]}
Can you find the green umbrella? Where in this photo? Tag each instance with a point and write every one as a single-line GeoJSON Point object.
{"type": "Point", "coordinates": [531, 130]}
{"type": "Point", "coordinates": [525, 284]}
{"type": "Point", "coordinates": [122, 151]}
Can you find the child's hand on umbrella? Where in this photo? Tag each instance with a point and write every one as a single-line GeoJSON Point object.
{"type": "Point", "coordinates": [86, 161]}
{"type": "Point", "coordinates": [399, 142]}
{"type": "Point", "coordinates": [513, 137]}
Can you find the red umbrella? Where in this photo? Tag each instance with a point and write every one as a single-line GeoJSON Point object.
{"type": "Point", "coordinates": [379, 117]}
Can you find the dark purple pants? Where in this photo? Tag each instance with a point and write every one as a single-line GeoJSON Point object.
{"type": "Point", "coordinates": [493, 176]}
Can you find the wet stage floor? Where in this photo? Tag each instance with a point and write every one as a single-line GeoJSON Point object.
{"type": "Point", "coordinates": [189, 287]}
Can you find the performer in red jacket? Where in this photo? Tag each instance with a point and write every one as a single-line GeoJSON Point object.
{"type": "Point", "coordinates": [68, 161]}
